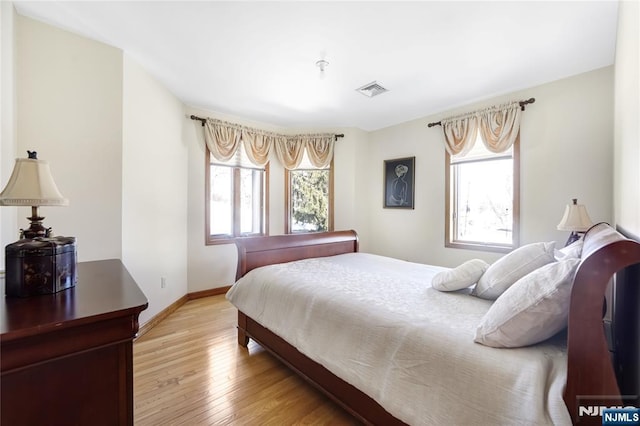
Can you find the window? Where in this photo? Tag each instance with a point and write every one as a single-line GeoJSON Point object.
{"type": "Point", "coordinates": [482, 199]}
{"type": "Point", "coordinates": [309, 198]}
{"type": "Point", "coordinates": [236, 194]}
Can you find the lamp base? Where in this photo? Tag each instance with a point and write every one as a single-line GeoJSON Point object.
{"type": "Point", "coordinates": [572, 238]}
{"type": "Point", "coordinates": [36, 230]}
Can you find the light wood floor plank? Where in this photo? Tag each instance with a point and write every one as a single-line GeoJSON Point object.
{"type": "Point", "coordinates": [190, 370]}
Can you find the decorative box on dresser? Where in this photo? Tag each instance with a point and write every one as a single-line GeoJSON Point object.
{"type": "Point", "coordinates": [66, 358]}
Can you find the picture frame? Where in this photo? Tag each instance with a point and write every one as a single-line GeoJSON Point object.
{"type": "Point", "coordinates": [399, 183]}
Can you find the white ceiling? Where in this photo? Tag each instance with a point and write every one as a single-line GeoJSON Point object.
{"type": "Point", "coordinates": [256, 60]}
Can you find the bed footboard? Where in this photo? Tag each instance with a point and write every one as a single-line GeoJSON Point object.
{"type": "Point", "coordinates": [355, 402]}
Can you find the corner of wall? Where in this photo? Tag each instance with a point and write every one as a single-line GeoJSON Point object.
{"type": "Point", "coordinates": [154, 185]}
{"type": "Point", "coordinates": [626, 185]}
{"type": "Point", "coordinates": [8, 142]}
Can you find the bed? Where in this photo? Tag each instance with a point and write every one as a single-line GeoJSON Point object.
{"type": "Point", "coordinates": [430, 375]}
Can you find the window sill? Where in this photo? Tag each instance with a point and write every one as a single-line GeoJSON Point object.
{"type": "Point", "coordinates": [219, 239]}
{"type": "Point", "coordinates": [495, 248]}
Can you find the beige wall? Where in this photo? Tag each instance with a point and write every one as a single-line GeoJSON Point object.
{"type": "Point", "coordinates": [114, 139]}
{"type": "Point", "coordinates": [349, 173]}
{"type": "Point", "coordinates": [154, 183]}
{"type": "Point", "coordinates": [69, 98]}
{"type": "Point", "coordinates": [8, 145]}
{"type": "Point", "coordinates": [627, 122]}
{"type": "Point", "coordinates": [566, 152]}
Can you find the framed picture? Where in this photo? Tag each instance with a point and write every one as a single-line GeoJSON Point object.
{"type": "Point", "coordinates": [399, 177]}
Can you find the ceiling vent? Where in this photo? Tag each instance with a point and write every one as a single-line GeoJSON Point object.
{"type": "Point", "coordinates": [372, 89]}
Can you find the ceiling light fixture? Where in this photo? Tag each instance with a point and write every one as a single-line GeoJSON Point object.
{"type": "Point", "coordinates": [322, 64]}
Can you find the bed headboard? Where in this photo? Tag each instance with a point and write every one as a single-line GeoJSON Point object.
{"type": "Point", "coordinates": [591, 379]}
{"type": "Point", "coordinates": [254, 252]}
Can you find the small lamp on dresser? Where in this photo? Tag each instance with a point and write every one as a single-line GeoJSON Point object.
{"type": "Point", "coordinates": [575, 219]}
{"type": "Point", "coordinates": [38, 263]}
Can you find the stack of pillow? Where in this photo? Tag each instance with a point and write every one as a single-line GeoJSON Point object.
{"type": "Point", "coordinates": [531, 287]}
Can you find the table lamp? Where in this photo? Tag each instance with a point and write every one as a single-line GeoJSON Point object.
{"type": "Point", "coordinates": [37, 263]}
{"type": "Point", "coordinates": [31, 184]}
{"type": "Point", "coordinates": [575, 219]}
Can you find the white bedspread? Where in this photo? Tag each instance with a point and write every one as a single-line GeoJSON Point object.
{"type": "Point", "coordinates": [377, 323]}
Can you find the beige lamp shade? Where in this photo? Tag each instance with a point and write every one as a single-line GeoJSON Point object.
{"type": "Point", "coordinates": [575, 218]}
{"type": "Point", "coordinates": [31, 184]}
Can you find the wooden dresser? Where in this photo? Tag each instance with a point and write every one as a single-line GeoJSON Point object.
{"type": "Point", "coordinates": [66, 358]}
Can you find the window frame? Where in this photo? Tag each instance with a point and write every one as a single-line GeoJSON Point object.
{"type": "Point", "coordinates": [287, 201]}
{"type": "Point", "coordinates": [213, 239]}
{"type": "Point", "coordinates": [449, 220]}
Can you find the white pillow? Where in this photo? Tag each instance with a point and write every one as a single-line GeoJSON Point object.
{"type": "Point", "coordinates": [532, 310]}
{"type": "Point", "coordinates": [573, 250]}
{"type": "Point", "coordinates": [460, 277]}
{"type": "Point", "coordinates": [510, 268]}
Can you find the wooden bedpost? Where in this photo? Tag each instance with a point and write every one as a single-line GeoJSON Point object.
{"type": "Point", "coordinates": [591, 380]}
{"type": "Point", "coordinates": [243, 339]}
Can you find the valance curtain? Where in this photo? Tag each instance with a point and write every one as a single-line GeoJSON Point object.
{"type": "Point", "coordinates": [224, 138]}
{"type": "Point", "coordinates": [319, 149]}
{"type": "Point", "coordinates": [289, 152]}
{"type": "Point", "coordinates": [258, 146]}
{"type": "Point", "coordinates": [498, 126]}
{"type": "Point", "coordinates": [222, 141]}
{"type": "Point", "coordinates": [460, 134]}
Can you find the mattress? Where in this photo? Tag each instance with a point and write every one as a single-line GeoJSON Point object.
{"type": "Point", "coordinates": [376, 323]}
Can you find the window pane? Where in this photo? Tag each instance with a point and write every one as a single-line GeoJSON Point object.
{"type": "Point", "coordinates": [250, 201]}
{"type": "Point", "coordinates": [236, 200]}
{"type": "Point", "coordinates": [483, 200]}
{"type": "Point", "coordinates": [309, 200]}
{"type": "Point", "coordinates": [221, 198]}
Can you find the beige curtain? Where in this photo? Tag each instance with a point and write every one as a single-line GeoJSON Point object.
{"type": "Point", "coordinates": [289, 151]}
{"type": "Point", "coordinates": [257, 146]}
{"type": "Point", "coordinates": [499, 126]}
{"type": "Point", "coordinates": [460, 134]}
{"type": "Point", "coordinates": [222, 139]}
{"type": "Point", "coordinates": [319, 149]}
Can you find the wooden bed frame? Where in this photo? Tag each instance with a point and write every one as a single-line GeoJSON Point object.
{"type": "Point", "coordinates": [590, 372]}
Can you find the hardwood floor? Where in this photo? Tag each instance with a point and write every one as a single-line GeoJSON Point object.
{"type": "Point", "coordinates": [190, 370]}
